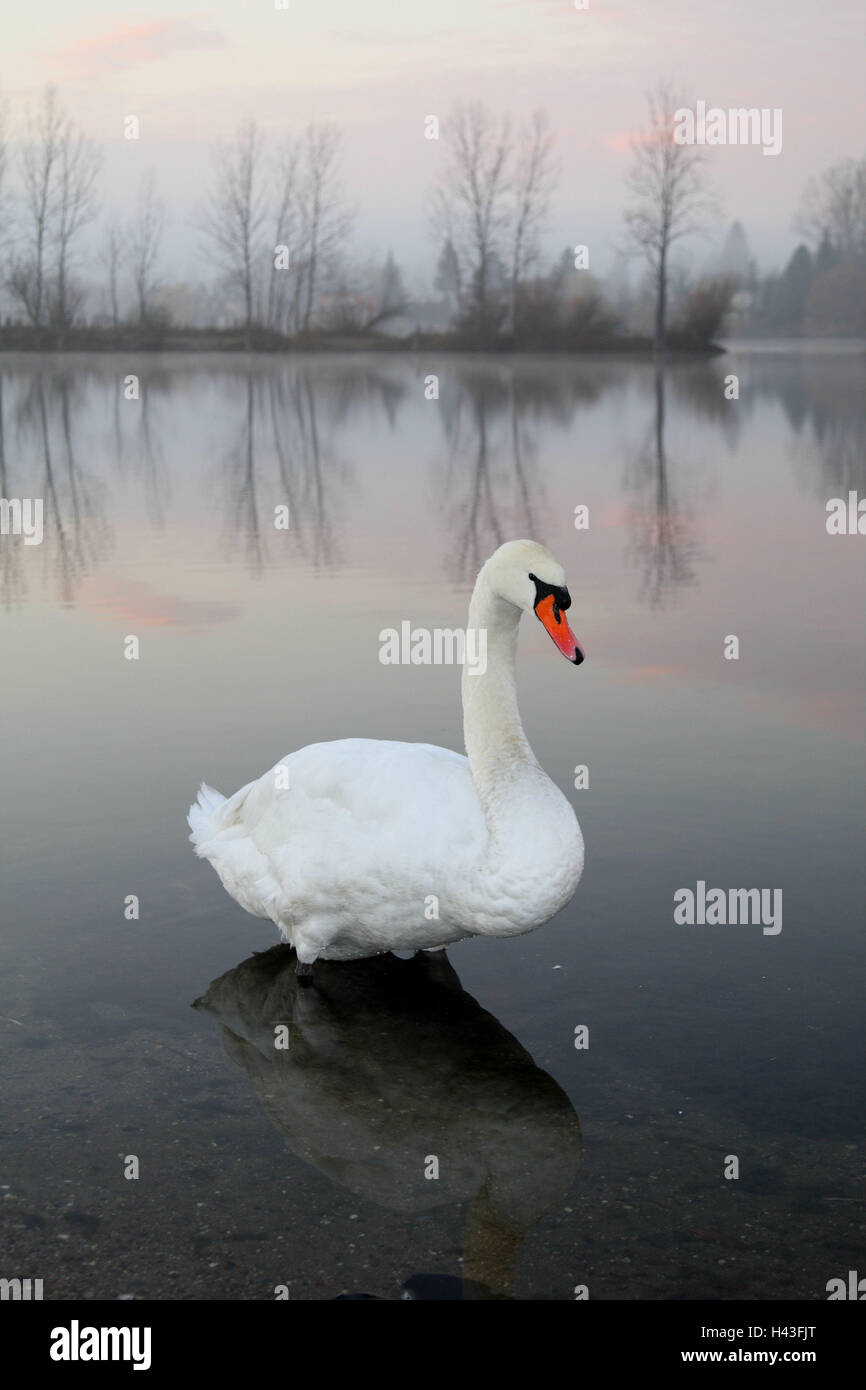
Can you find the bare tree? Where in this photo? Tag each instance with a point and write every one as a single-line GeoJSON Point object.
{"type": "Point", "coordinates": [234, 213]}
{"type": "Point", "coordinates": [39, 158]}
{"type": "Point", "coordinates": [145, 239]}
{"type": "Point", "coordinates": [531, 191]}
{"type": "Point", "coordinates": [670, 198]}
{"type": "Point", "coordinates": [286, 233]}
{"type": "Point", "coordinates": [113, 255]}
{"type": "Point", "coordinates": [78, 164]}
{"type": "Point", "coordinates": [834, 205]}
{"type": "Point", "coordinates": [4, 211]}
{"type": "Point", "coordinates": [325, 218]}
{"type": "Point", "coordinates": [470, 206]}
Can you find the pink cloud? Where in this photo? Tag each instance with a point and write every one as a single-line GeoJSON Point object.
{"type": "Point", "coordinates": [623, 141]}
{"type": "Point", "coordinates": [132, 45]}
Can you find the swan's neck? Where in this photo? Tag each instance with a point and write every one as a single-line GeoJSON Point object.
{"type": "Point", "coordinates": [535, 851]}
{"type": "Point", "coordinates": [498, 750]}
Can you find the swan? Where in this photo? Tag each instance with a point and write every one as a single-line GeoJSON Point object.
{"type": "Point", "coordinates": [361, 845]}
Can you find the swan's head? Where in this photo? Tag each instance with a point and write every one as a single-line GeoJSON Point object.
{"type": "Point", "coordinates": [526, 574]}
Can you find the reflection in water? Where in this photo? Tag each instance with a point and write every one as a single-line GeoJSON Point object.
{"type": "Point", "coordinates": [150, 462]}
{"type": "Point", "coordinates": [314, 477]}
{"type": "Point", "coordinates": [829, 450]}
{"type": "Point", "coordinates": [77, 532]}
{"type": "Point", "coordinates": [663, 545]}
{"type": "Point", "coordinates": [699, 761]}
{"type": "Point", "coordinates": [479, 479]}
{"type": "Point", "coordinates": [492, 417]}
{"type": "Point", "coordinates": [11, 579]}
{"type": "Point", "coordinates": [283, 455]}
{"type": "Point", "coordinates": [390, 1061]}
{"type": "Point", "coordinates": [295, 433]}
{"type": "Point", "coordinates": [242, 502]}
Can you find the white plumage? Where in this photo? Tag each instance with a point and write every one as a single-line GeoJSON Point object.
{"type": "Point", "coordinates": [362, 845]}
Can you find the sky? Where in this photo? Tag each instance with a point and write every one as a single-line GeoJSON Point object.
{"type": "Point", "coordinates": [379, 67]}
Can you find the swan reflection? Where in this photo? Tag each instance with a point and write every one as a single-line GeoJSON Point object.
{"type": "Point", "coordinates": [391, 1062]}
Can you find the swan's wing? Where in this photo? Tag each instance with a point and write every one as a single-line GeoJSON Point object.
{"type": "Point", "coordinates": [352, 824]}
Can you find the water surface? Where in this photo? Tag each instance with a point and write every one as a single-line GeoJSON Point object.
{"type": "Point", "coordinates": [558, 1167]}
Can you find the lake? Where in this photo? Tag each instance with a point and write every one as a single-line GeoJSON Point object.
{"type": "Point", "coordinates": [618, 1101]}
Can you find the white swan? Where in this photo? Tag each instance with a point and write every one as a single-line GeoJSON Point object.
{"type": "Point", "coordinates": [352, 847]}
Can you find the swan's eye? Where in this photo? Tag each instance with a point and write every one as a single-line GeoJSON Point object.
{"type": "Point", "coordinates": [561, 597]}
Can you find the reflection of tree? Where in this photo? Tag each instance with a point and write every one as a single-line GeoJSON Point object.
{"type": "Point", "coordinates": [491, 415]}
{"type": "Point", "coordinates": [700, 388]}
{"type": "Point", "coordinates": [820, 393]}
{"type": "Point", "coordinates": [12, 585]}
{"type": "Point", "coordinates": [282, 455]}
{"type": "Point", "coordinates": [312, 471]}
{"type": "Point", "coordinates": [81, 531]}
{"type": "Point", "coordinates": [288, 442]}
{"type": "Point", "coordinates": [242, 498]}
{"type": "Point", "coordinates": [151, 460]}
{"type": "Point", "coordinates": [834, 455]}
{"type": "Point", "coordinates": [488, 480]}
{"type": "Point", "coordinates": [662, 544]}
{"type": "Point", "coordinates": [307, 407]}
{"type": "Point", "coordinates": [830, 452]}
{"type": "Point", "coordinates": [475, 524]}
{"type": "Point", "coordinates": [283, 452]}
{"type": "Point", "coordinates": [522, 450]}
{"type": "Point", "coordinates": [76, 532]}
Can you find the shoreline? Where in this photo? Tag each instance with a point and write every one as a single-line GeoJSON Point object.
{"type": "Point", "coordinates": [219, 343]}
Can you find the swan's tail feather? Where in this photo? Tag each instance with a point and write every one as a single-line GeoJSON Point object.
{"type": "Point", "coordinates": [201, 816]}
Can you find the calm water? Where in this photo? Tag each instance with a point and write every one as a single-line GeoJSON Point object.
{"type": "Point", "coordinates": [558, 1166]}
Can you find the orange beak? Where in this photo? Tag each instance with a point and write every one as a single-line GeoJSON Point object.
{"type": "Point", "coordinates": [553, 618]}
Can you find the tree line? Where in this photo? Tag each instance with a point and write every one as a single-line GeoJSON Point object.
{"type": "Point", "coordinates": [278, 227]}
